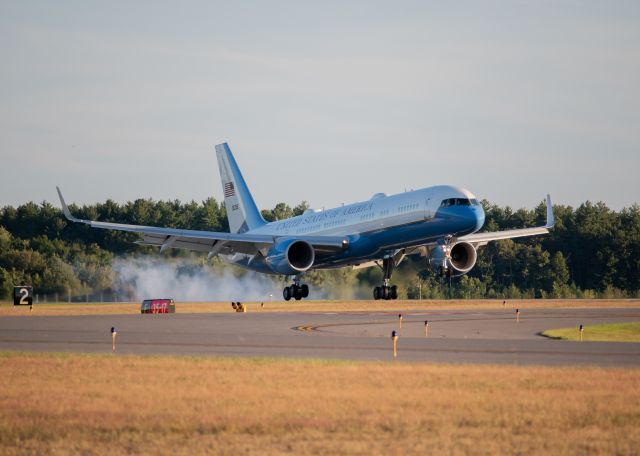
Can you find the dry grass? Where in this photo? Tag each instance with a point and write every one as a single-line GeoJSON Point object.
{"type": "Point", "coordinates": [98, 404]}
{"type": "Point", "coordinates": [7, 309]}
{"type": "Point", "coordinates": [53, 309]}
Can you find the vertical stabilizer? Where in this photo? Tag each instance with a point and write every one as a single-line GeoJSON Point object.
{"type": "Point", "coordinates": [242, 212]}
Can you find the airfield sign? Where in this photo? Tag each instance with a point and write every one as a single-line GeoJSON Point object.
{"type": "Point", "coordinates": [22, 296]}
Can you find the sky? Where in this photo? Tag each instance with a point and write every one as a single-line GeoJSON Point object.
{"type": "Point", "coordinates": [328, 102]}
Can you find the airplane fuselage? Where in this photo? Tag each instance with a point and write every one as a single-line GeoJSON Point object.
{"type": "Point", "coordinates": [378, 226]}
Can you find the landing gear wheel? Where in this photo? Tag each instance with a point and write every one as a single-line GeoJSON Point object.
{"type": "Point", "coordinates": [385, 293]}
{"type": "Point", "coordinates": [296, 292]}
{"type": "Point", "coordinates": [393, 292]}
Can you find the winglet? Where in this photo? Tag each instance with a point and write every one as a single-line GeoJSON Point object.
{"type": "Point", "coordinates": [551, 221]}
{"type": "Point", "coordinates": [65, 208]}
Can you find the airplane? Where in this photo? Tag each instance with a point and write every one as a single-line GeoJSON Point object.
{"type": "Point", "coordinates": [440, 223]}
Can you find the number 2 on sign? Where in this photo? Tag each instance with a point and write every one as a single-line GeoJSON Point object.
{"type": "Point", "coordinates": [25, 293]}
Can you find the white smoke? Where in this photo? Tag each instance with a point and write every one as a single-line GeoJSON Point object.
{"type": "Point", "coordinates": [184, 280]}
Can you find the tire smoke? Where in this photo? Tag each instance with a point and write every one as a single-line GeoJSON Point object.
{"type": "Point", "coordinates": [147, 278]}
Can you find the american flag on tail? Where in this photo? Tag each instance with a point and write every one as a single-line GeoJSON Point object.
{"type": "Point", "coordinates": [229, 190]}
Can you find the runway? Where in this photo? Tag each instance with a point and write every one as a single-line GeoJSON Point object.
{"type": "Point", "coordinates": [455, 336]}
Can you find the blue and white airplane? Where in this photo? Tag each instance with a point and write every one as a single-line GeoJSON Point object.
{"type": "Point", "coordinates": [440, 223]}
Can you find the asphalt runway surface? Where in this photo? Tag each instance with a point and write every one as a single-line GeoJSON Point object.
{"type": "Point", "coordinates": [454, 336]}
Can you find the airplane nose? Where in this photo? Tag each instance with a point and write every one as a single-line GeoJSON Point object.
{"type": "Point", "coordinates": [473, 216]}
{"type": "Point", "coordinates": [469, 217]}
{"type": "Point", "coordinates": [478, 215]}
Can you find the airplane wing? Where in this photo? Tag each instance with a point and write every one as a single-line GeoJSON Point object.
{"type": "Point", "coordinates": [480, 239]}
{"type": "Point", "coordinates": [207, 241]}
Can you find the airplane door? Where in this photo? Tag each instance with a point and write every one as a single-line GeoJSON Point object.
{"type": "Point", "coordinates": [427, 212]}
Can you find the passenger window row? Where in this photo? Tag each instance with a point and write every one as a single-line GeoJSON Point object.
{"type": "Point", "coordinates": [408, 207]}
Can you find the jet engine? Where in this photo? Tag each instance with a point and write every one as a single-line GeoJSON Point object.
{"type": "Point", "coordinates": [453, 260]}
{"type": "Point", "coordinates": [290, 257]}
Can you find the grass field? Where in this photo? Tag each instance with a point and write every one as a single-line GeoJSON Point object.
{"type": "Point", "coordinates": [99, 404]}
{"type": "Point", "coordinates": [7, 309]}
{"type": "Point", "coordinates": [617, 332]}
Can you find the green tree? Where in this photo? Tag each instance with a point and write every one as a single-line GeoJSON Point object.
{"type": "Point", "coordinates": [281, 211]}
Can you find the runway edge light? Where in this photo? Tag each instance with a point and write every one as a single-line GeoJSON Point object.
{"type": "Point", "coordinates": [394, 337]}
{"type": "Point", "coordinates": [114, 333]}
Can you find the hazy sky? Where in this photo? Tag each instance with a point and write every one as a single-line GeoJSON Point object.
{"type": "Point", "coordinates": [323, 101]}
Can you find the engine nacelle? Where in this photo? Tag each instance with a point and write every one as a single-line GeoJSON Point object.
{"type": "Point", "coordinates": [290, 257]}
{"type": "Point", "coordinates": [456, 259]}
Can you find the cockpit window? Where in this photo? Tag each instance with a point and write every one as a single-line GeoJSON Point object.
{"type": "Point", "coordinates": [459, 202]}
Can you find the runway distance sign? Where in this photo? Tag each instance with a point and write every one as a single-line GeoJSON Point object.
{"type": "Point", "coordinates": [156, 306]}
{"type": "Point", "coordinates": [22, 296]}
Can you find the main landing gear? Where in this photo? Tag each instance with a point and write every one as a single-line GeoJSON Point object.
{"type": "Point", "coordinates": [386, 291]}
{"type": "Point", "coordinates": [296, 291]}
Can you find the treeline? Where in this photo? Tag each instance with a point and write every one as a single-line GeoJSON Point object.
{"type": "Point", "coordinates": [592, 252]}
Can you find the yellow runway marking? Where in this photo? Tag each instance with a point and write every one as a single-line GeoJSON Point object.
{"type": "Point", "coordinates": [306, 328]}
